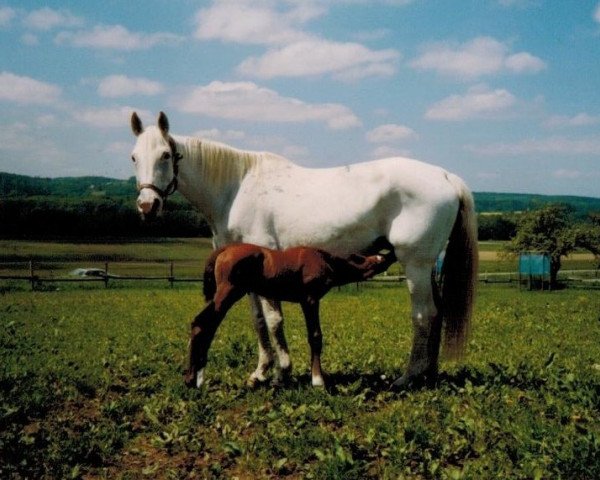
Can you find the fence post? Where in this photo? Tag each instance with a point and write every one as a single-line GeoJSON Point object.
{"type": "Point", "coordinates": [31, 275]}
{"type": "Point", "coordinates": [105, 274]}
{"type": "Point", "coordinates": [171, 275]}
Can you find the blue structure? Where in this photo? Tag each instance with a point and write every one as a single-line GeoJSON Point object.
{"type": "Point", "coordinates": [534, 269]}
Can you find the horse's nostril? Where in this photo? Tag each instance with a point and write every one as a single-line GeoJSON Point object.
{"type": "Point", "coordinates": [148, 207]}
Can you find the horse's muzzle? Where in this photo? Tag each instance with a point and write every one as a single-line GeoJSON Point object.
{"type": "Point", "coordinates": [149, 209]}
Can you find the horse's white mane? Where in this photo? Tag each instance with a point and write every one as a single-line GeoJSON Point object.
{"type": "Point", "coordinates": [221, 164]}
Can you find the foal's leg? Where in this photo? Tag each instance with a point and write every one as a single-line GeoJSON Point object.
{"type": "Point", "coordinates": [315, 340]}
{"type": "Point", "coordinates": [274, 319]}
{"type": "Point", "coordinates": [203, 332]}
{"type": "Point", "coordinates": [265, 351]}
{"type": "Point", "coordinates": [427, 324]}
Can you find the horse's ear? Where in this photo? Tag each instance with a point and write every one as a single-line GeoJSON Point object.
{"type": "Point", "coordinates": [136, 124]}
{"type": "Point", "coordinates": [163, 123]}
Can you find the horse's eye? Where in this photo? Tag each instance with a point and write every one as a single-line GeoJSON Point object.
{"type": "Point", "coordinates": [166, 156]}
{"type": "Point", "coordinates": [133, 158]}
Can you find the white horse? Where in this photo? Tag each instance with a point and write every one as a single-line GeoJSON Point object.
{"type": "Point", "coordinates": [264, 199]}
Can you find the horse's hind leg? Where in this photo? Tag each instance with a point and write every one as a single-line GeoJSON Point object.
{"type": "Point", "coordinates": [315, 340]}
{"type": "Point", "coordinates": [427, 323]}
{"type": "Point", "coordinates": [265, 351]}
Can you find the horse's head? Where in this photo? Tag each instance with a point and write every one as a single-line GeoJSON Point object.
{"type": "Point", "coordinates": [155, 161]}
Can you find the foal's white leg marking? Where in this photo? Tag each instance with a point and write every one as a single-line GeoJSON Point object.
{"type": "Point", "coordinates": [265, 352]}
{"type": "Point", "coordinates": [200, 378]}
{"type": "Point", "coordinates": [274, 319]}
{"type": "Point", "coordinates": [317, 381]}
{"type": "Point", "coordinates": [424, 354]}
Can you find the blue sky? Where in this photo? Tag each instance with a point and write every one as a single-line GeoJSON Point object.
{"type": "Point", "coordinates": [504, 93]}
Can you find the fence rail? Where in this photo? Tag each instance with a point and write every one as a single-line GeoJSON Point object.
{"type": "Point", "coordinates": [36, 275]}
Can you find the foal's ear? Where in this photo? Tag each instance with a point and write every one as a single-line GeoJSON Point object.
{"type": "Point", "coordinates": [163, 123]}
{"type": "Point", "coordinates": [136, 124]}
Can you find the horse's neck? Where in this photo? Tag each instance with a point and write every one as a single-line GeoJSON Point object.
{"type": "Point", "coordinates": [210, 176]}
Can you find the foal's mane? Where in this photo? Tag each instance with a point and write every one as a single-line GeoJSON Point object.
{"type": "Point", "coordinates": [221, 164]}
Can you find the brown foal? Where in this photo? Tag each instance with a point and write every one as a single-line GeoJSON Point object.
{"type": "Point", "coordinates": [301, 275]}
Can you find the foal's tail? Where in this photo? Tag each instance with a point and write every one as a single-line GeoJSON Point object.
{"type": "Point", "coordinates": [459, 273]}
{"type": "Point", "coordinates": [209, 286]}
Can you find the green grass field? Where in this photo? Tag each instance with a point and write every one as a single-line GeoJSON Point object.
{"type": "Point", "coordinates": [91, 387]}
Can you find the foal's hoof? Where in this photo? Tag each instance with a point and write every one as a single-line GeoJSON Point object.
{"type": "Point", "coordinates": [194, 379]}
{"type": "Point", "coordinates": [318, 382]}
{"type": "Point", "coordinates": [255, 382]}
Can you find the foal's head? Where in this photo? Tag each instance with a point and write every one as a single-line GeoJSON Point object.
{"type": "Point", "coordinates": [370, 265]}
{"type": "Point", "coordinates": [155, 161]}
{"type": "Point", "coordinates": [365, 267]}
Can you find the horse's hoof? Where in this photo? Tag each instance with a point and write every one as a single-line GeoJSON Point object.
{"type": "Point", "coordinates": [409, 382]}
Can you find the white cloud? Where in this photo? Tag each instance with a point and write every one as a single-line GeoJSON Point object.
{"type": "Point", "coordinates": [524, 63]}
{"type": "Point", "coordinates": [115, 37]}
{"type": "Point", "coordinates": [46, 19]}
{"type": "Point", "coordinates": [475, 58]}
{"type": "Point", "coordinates": [564, 173]}
{"type": "Point", "coordinates": [26, 90]}
{"type": "Point", "coordinates": [254, 22]}
{"type": "Point", "coordinates": [6, 16]}
{"type": "Point", "coordinates": [349, 61]}
{"type": "Point", "coordinates": [122, 86]}
{"type": "Point", "coordinates": [547, 146]}
{"type": "Point", "coordinates": [30, 39]}
{"type": "Point", "coordinates": [46, 119]}
{"type": "Point", "coordinates": [579, 120]}
{"type": "Point", "coordinates": [112, 117]}
{"type": "Point", "coordinates": [597, 13]}
{"type": "Point", "coordinates": [390, 133]}
{"type": "Point", "coordinates": [292, 51]}
{"type": "Point", "coordinates": [247, 101]}
{"type": "Point", "coordinates": [34, 150]}
{"type": "Point", "coordinates": [518, 3]}
{"type": "Point", "coordinates": [221, 135]}
{"type": "Point", "coordinates": [479, 102]}
{"type": "Point", "coordinates": [385, 151]}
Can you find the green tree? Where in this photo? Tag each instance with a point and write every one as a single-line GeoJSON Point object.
{"type": "Point", "coordinates": [553, 230]}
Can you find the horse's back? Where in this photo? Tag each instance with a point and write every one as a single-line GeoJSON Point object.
{"type": "Point", "coordinates": [345, 209]}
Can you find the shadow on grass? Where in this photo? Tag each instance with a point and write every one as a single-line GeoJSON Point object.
{"type": "Point", "coordinates": [524, 376]}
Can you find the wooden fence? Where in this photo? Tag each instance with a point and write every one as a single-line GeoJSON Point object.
{"type": "Point", "coordinates": [36, 277]}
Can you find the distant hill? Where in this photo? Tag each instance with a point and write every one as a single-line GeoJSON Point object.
{"type": "Point", "coordinates": [12, 185]}
{"type": "Point", "coordinates": [19, 186]}
{"type": "Point", "coordinates": [487, 202]}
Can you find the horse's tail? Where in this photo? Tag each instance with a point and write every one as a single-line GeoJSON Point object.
{"type": "Point", "coordinates": [459, 273]}
{"type": "Point", "coordinates": [209, 286]}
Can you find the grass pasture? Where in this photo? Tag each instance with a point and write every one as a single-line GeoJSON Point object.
{"type": "Point", "coordinates": [91, 387]}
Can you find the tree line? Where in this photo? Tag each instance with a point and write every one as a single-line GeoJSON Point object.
{"type": "Point", "coordinates": [105, 207]}
{"type": "Point", "coordinates": [94, 218]}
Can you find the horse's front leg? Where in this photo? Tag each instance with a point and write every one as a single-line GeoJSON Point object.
{"type": "Point", "coordinates": [274, 320]}
{"type": "Point", "coordinates": [315, 340]}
